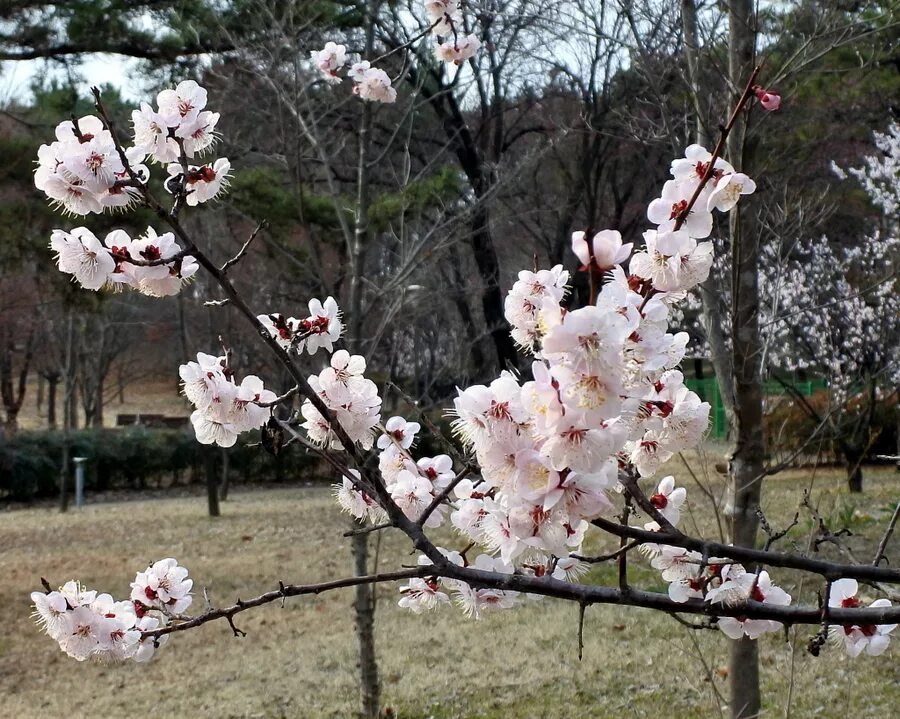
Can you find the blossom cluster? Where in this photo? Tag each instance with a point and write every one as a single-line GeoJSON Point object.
{"type": "Point", "coordinates": [873, 639]}
{"type": "Point", "coordinates": [152, 264]}
{"type": "Point", "coordinates": [604, 395]}
{"type": "Point", "coordinates": [82, 172]}
{"type": "Point", "coordinates": [90, 625]}
{"type": "Point", "coordinates": [319, 330]}
{"type": "Point", "coordinates": [224, 409]}
{"type": "Point", "coordinates": [717, 581]}
{"type": "Point", "coordinates": [350, 396]}
{"type": "Point", "coordinates": [445, 21]}
{"type": "Point", "coordinates": [413, 484]}
{"type": "Point", "coordinates": [372, 83]}
{"type": "Point", "coordinates": [179, 124]}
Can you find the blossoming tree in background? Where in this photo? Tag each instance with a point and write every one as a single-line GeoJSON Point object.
{"type": "Point", "coordinates": [542, 460]}
{"type": "Point", "coordinates": [833, 309]}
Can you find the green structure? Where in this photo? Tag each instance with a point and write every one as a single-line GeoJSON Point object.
{"type": "Point", "coordinates": [708, 391]}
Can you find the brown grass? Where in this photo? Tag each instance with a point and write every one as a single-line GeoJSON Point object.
{"type": "Point", "coordinates": [300, 661]}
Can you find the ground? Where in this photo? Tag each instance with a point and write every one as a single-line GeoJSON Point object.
{"type": "Point", "coordinates": [299, 661]}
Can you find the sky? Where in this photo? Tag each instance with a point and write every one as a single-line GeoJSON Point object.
{"type": "Point", "coordinates": [101, 68]}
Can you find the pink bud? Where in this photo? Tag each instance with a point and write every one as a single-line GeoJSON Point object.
{"type": "Point", "coordinates": [769, 100]}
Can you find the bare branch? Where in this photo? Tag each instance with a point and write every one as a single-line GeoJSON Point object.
{"type": "Point", "coordinates": [284, 590]}
{"type": "Point", "coordinates": [243, 251]}
{"type": "Point", "coordinates": [829, 570]}
{"type": "Point", "coordinates": [882, 545]}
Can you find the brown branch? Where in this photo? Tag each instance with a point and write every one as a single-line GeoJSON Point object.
{"type": "Point", "coordinates": [829, 570]}
{"type": "Point", "coordinates": [368, 529]}
{"type": "Point", "coordinates": [720, 146]}
{"type": "Point", "coordinates": [284, 590]}
{"type": "Point", "coordinates": [243, 251]}
{"type": "Point", "coordinates": [584, 594]}
{"type": "Point", "coordinates": [771, 535]}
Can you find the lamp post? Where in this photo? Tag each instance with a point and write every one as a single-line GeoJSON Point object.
{"type": "Point", "coordinates": [79, 480]}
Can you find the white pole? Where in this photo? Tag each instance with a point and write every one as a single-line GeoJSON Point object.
{"type": "Point", "coordinates": [79, 480]}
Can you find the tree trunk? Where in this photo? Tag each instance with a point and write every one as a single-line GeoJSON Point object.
{"type": "Point", "coordinates": [713, 303]}
{"type": "Point", "coordinates": [12, 389]}
{"type": "Point", "coordinates": [68, 404]}
{"type": "Point", "coordinates": [370, 688]}
{"type": "Point", "coordinates": [746, 467]}
{"type": "Point", "coordinates": [97, 419]}
{"type": "Point", "coordinates": [491, 297]}
{"type": "Point", "coordinates": [52, 382]}
{"type": "Point", "coordinates": [363, 606]}
{"type": "Point", "coordinates": [226, 476]}
{"type": "Point", "coordinates": [477, 365]}
{"type": "Point", "coordinates": [853, 459]}
{"type": "Point", "coordinates": [212, 483]}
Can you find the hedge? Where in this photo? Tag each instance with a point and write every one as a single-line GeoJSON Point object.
{"type": "Point", "coordinates": [138, 458]}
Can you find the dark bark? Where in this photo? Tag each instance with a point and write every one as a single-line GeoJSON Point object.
{"type": "Point", "coordinates": [68, 405]}
{"type": "Point", "coordinates": [747, 463]}
{"type": "Point", "coordinates": [52, 384]}
{"type": "Point", "coordinates": [853, 459]}
{"type": "Point", "coordinates": [12, 387]}
{"type": "Point", "coordinates": [212, 483]}
{"type": "Point", "coordinates": [364, 611]}
{"type": "Point", "coordinates": [226, 477]}
{"type": "Point", "coordinates": [471, 160]}
{"type": "Point", "coordinates": [460, 300]}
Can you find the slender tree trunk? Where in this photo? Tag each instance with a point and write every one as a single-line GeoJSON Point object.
{"type": "Point", "coordinates": [212, 483]}
{"type": "Point", "coordinates": [12, 389]}
{"type": "Point", "coordinates": [370, 689]}
{"type": "Point", "coordinates": [477, 364]}
{"type": "Point", "coordinates": [52, 382]}
{"type": "Point", "coordinates": [97, 419]}
{"type": "Point", "coordinates": [853, 459]}
{"type": "Point", "coordinates": [711, 291]}
{"type": "Point", "coordinates": [748, 452]}
{"type": "Point", "coordinates": [226, 476]}
{"type": "Point", "coordinates": [68, 404]}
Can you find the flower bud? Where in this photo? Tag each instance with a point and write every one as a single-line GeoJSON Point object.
{"type": "Point", "coordinates": [770, 101]}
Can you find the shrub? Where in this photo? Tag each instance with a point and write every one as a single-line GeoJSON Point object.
{"type": "Point", "coordinates": [135, 458]}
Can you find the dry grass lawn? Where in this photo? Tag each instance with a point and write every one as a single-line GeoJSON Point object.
{"type": "Point", "coordinates": [300, 661]}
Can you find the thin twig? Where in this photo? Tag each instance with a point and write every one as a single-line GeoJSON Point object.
{"type": "Point", "coordinates": [581, 608]}
{"type": "Point", "coordinates": [882, 545]}
{"type": "Point", "coordinates": [440, 498]}
{"type": "Point", "coordinates": [771, 535]}
{"type": "Point", "coordinates": [609, 555]}
{"type": "Point", "coordinates": [243, 251]}
{"type": "Point", "coordinates": [281, 398]}
{"type": "Point", "coordinates": [368, 529]}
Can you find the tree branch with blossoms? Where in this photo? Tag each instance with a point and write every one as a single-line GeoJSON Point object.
{"type": "Point", "coordinates": [605, 408]}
